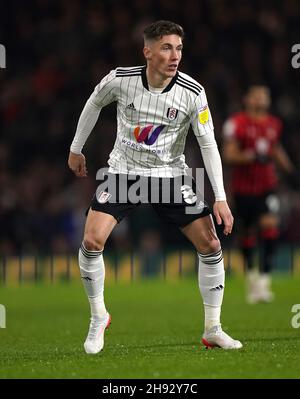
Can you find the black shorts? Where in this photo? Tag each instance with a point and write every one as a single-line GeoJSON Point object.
{"type": "Point", "coordinates": [249, 208]}
{"type": "Point", "coordinates": [176, 200]}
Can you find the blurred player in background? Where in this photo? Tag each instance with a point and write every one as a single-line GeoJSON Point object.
{"type": "Point", "coordinates": [156, 104]}
{"type": "Point", "coordinates": [252, 146]}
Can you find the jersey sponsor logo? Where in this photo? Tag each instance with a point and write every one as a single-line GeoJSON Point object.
{"type": "Point", "coordinates": [103, 197]}
{"type": "Point", "coordinates": [203, 115]}
{"type": "Point", "coordinates": [172, 113]}
{"type": "Point", "coordinates": [139, 147]}
{"type": "Point", "coordinates": [143, 135]}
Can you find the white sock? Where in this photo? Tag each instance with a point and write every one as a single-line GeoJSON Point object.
{"type": "Point", "coordinates": [92, 272]}
{"type": "Point", "coordinates": [212, 316]}
{"type": "Point", "coordinates": [211, 278]}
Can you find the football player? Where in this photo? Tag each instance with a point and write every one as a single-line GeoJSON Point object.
{"type": "Point", "coordinates": [156, 104]}
{"type": "Point", "coordinates": [252, 146]}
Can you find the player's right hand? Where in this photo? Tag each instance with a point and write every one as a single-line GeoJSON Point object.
{"type": "Point", "coordinates": [223, 213]}
{"type": "Point", "coordinates": [77, 164]}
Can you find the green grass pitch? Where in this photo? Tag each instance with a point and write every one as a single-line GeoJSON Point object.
{"type": "Point", "coordinates": [155, 332]}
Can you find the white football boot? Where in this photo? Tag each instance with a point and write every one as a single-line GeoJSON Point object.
{"type": "Point", "coordinates": [95, 339]}
{"type": "Point", "coordinates": [253, 289]}
{"type": "Point", "coordinates": [217, 338]}
{"type": "Point", "coordinates": [259, 288]}
{"type": "Point", "coordinates": [266, 295]}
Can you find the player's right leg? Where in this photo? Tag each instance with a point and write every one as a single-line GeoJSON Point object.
{"type": "Point", "coordinates": [97, 229]}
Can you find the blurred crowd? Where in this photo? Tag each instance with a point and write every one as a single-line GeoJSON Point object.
{"type": "Point", "coordinates": [58, 50]}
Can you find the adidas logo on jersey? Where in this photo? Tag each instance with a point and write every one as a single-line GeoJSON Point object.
{"type": "Point", "coordinates": [131, 106]}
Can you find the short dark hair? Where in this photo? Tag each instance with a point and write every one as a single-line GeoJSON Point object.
{"type": "Point", "coordinates": [161, 28]}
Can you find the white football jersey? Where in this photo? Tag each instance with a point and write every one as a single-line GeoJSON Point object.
{"type": "Point", "coordinates": [152, 127]}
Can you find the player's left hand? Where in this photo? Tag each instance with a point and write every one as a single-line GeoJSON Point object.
{"type": "Point", "coordinates": [223, 213]}
{"type": "Point", "coordinates": [77, 164]}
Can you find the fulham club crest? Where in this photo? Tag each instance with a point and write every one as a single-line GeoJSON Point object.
{"type": "Point", "coordinates": [172, 113]}
{"type": "Point", "coordinates": [103, 197]}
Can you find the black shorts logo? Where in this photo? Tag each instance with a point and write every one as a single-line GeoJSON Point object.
{"type": "Point", "coordinates": [103, 197]}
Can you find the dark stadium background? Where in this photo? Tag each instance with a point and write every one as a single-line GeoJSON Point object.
{"type": "Point", "coordinates": [57, 51]}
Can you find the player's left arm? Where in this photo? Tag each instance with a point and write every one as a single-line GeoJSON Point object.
{"type": "Point", "coordinates": [203, 128]}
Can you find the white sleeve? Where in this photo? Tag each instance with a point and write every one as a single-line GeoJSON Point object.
{"type": "Point", "coordinates": [103, 94]}
{"type": "Point", "coordinates": [203, 129]}
{"type": "Point", "coordinates": [213, 165]}
{"type": "Point", "coordinates": [229, 129]}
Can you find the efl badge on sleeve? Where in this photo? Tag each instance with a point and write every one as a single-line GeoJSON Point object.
{"type": "Point", "coordinates": [203, 115]}
{"type": "Point", "coordinates": [103, 197]}
{"type": "Point", "coordinates": [172, 113]}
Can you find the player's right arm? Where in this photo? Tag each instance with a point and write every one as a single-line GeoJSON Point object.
{"type": "Point", "coordinates": [232, 152]}
{"type": "Point", "coordinates": [103, 95]}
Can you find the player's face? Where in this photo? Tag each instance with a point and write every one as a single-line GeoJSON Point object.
{"type": "Point", "coordinates": [258, 99]}
{"type": "Point", "coordinates": [164, 55]}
